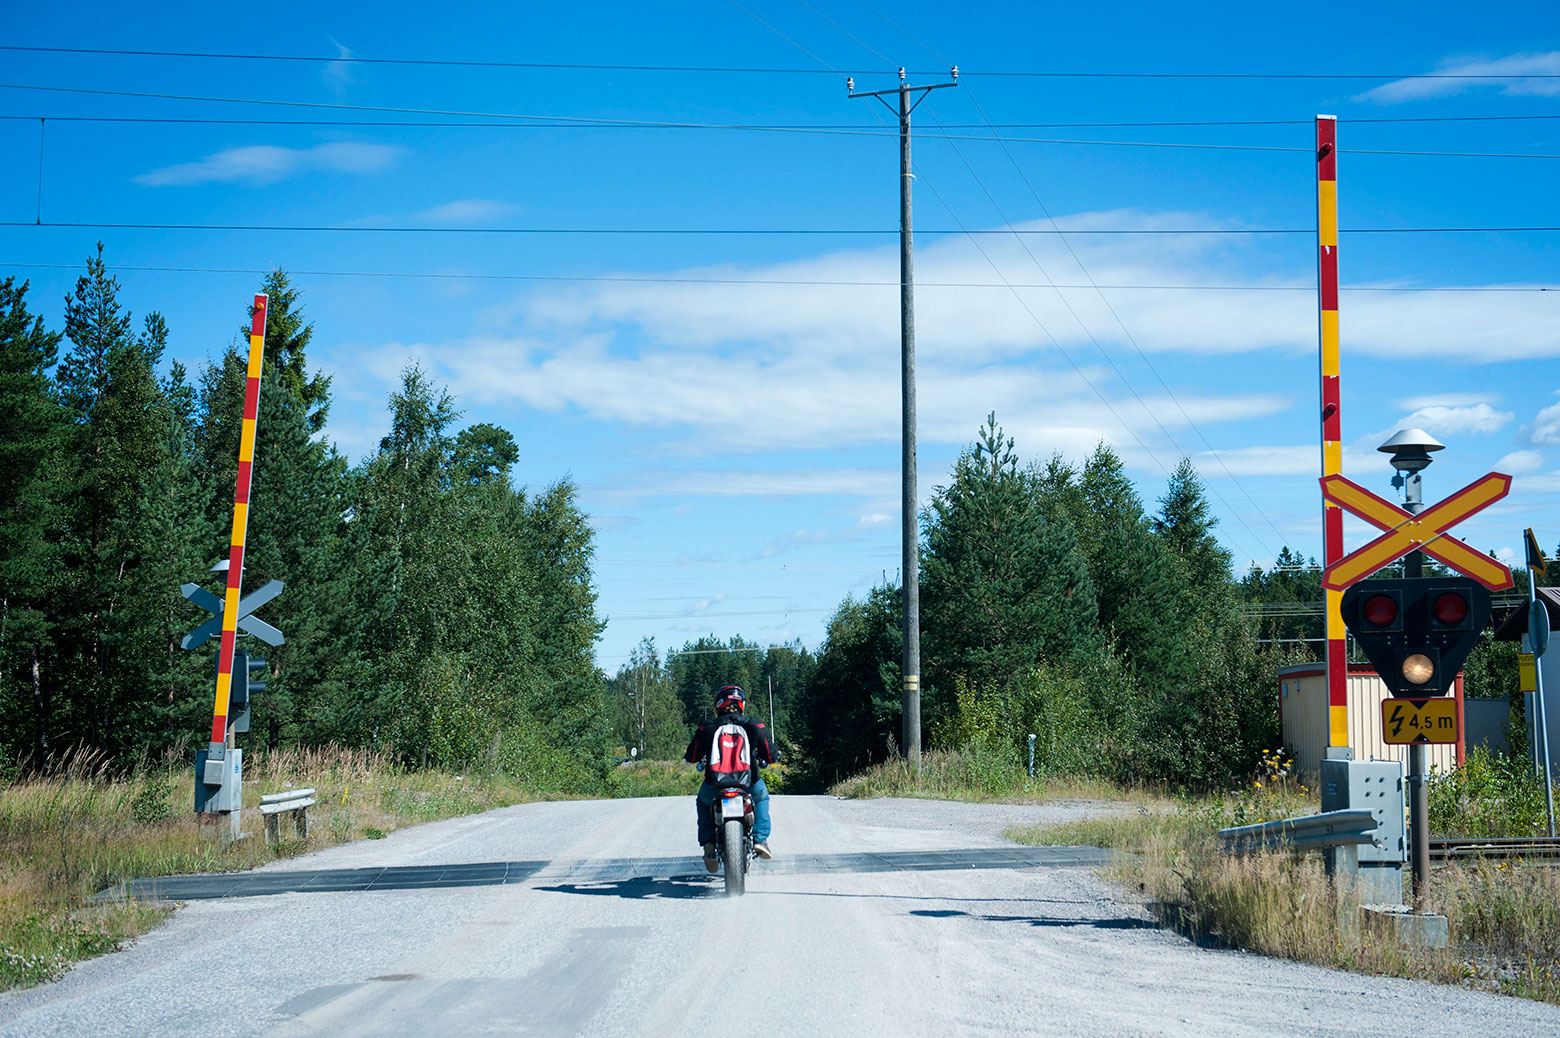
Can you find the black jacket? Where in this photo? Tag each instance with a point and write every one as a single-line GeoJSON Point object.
{"type": "Point", "coordinates": [763, 750]}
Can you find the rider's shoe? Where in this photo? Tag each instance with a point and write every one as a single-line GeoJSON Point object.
{"type": "Point", "coordinates": [761, 848]}
{"type": "Point", "coordinates": [711, 862]}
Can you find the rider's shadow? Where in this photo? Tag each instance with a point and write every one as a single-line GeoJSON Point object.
{"type": "Point", "coordinates": [644, 887]}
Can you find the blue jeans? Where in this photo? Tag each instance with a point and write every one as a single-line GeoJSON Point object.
{"type": "Point", "coordinates": [706, 800]}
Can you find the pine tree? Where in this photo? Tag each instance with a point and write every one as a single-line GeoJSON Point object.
{"type": "Point", "coordinates": [849, 716]}
{"type": "Point", "coordinates": [287, 338]}
{"type": "Point", "coordinates": [109, 386]}
{"type": "Point", "coordinates": [32, 430]}
{"type": "Point", "coordinates": [1004, 587]}
{"type": "Point", "coordinates": [174, 546]}
{"type": "Point", "coordinates": [1185, 522]}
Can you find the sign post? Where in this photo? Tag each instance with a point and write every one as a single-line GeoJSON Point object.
{"type": "Point", "coordinates": [1337, 656]}
{"type": "Point", "coordinates": [221, 766]}
{"type": "Point", "coordinates": [1538, 641]}
{"type": "Point", "coordinates": [1417, 630]}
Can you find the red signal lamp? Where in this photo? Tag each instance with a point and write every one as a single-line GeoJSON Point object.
{"type": "Point", "coordinates": [1451, 608]}
{"type": "Point", "coordinates": [1381, 610]}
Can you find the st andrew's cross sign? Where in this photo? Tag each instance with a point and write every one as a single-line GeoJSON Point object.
{"type": "Point", "coordinates": [1406, 532]}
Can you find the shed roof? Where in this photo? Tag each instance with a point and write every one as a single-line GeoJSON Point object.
{"type": "Point", "coordinates": [1515, 626]}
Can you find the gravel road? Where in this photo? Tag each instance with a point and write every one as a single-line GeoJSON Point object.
{"type": "Point", "coordinates": [574, 948]}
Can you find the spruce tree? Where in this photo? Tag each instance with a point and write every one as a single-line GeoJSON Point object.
{"type": "Point", "coordinates": [1004, 586]}
{"type": "Point", "coordinates": [32, 432]}
{"type": "Point", "coordinates": [119, 413]}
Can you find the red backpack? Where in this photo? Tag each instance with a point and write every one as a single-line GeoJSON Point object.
{"type": "Point", "coordinates": [731, 757]}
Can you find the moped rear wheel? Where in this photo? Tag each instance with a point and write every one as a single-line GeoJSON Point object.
{"type": "Point", "coordinates": [735, 858]}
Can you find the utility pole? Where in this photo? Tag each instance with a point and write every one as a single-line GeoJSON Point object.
{"type": "Point", "coordinates": [910, 529]}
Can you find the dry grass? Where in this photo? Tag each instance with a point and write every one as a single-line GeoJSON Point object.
{"type": "Point", "coordinates": [1504, 918]}
{"type": "Point", "coordinates": [86, 827]}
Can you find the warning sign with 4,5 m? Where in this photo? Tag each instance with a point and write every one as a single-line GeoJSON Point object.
{"type": "Point", "coordinates": [1419, 720]}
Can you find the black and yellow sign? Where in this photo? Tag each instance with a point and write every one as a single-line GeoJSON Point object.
{"type": "Point", "coordinates": [1535, 559]}
{"type": "Point", "coordinates": [1419, 720]}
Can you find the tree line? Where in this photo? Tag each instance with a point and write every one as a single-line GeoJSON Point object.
{"type": "Point", "coordinates": [434, 607]}
{"type": "Point", "coordinates": [1053, 602]}
{"type": "Point", "coordinates": [440, 610]}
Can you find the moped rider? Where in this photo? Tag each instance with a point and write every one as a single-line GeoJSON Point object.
{"type": "Point", "coordinates": [729, 704]}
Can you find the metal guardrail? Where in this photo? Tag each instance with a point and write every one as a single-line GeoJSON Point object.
{"type": "Point", "coordinates": [1313, 832]}
{"type": "Point", "coordinates": [295, 801]}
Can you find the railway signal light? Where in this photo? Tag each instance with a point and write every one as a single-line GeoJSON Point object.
{"type": "Point", "coordinates": [244, 684]}
{"type": "Point", "coordinates": [1417, 631]}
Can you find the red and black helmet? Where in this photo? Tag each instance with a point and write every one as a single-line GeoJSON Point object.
{"type": "Point", "coordinates": [730, 699]}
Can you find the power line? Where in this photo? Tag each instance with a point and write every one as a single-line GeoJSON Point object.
{"type": "Point", "coordinates": [797, 282]}
{"type": "Point", "coordinates": [1138, 349]}
{"type": "Point", "coordinates": [586, 122]}
{"type": "Point", "coordinates": [563, 122]}
{"type": "Point", "coordinates": [1100, 347]}
{"type": "Point", "coordinates": [1044, 330]}
{"type": "Point", "coordinates": [830, 231]}
{"type": "Point", "coordinates": [743, 69]}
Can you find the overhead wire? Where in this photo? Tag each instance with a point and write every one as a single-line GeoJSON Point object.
{"type": "Point", "coordinates": [588, 122]}
{"type": "Point", "coordinates": [1116, 316]}
{"type": "Point", "coordinates": [796, 282]}
{"type": "Point", "coordinates": [570, 123]}
{"type": "Point", "coordinates": [623, 67]}
{"type": "Point", "coordinates": [1067, 356]}
{"type": "Point", "coordinates": [1067, 303]}
{"type": "Point", "coordinates": [804, 231]}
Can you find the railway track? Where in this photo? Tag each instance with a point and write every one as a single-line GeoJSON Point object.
{"type": "Point", "coordinates": [1536, 848]}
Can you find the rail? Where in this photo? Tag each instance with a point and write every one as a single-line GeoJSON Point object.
{"type": "Point", "coordinates": [293, 801]}
{"type": "Point", "coordinates": [1312, 832]}
{"type": "Point", "coordinates": [1529, 848]}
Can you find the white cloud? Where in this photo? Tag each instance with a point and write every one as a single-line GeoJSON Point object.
{"type": "Point", "coordinates": [466, 211]}
{"type": "Point", "coordinates": [1546, 426]}
{"type": "Point", "coordinates": [1414, 403]}
{"type": "Point", "coordinates": [852, 482]}
{"type": "Point", "coordinates": [963, 305]}
{"type": "Point", "coordinates": [1445, 422]}
{"type": "Point", "coordinates": [1262, 461]}
{"type": "Point", "coordinates": [1525, 65]}
{"type": "Point", "coordinates": [785, 359]}
{"type": "Point", "coordinates": [338, 75]}
{"type": "Point", "coordinates": [811, 537]}
{"type": "Point", "coordinates": [1519, 463]}
{"type": "Point", "coordinates": [260, 164]}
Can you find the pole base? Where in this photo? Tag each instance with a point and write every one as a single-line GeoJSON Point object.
{"type": "Point", "coordinates": [1412, 929]}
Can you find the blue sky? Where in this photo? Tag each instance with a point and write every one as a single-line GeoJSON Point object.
{"type": "Point", "coordinates": [731, 422]}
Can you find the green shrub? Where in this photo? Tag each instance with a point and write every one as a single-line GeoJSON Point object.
{"type": "Point", "coordinates": [1492, 796]}
{"type": "Point", "coordinates": [153, 802]}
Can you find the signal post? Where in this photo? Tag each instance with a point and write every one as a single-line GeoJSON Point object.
{"type": "Point", "coordinates": [1416, 630]}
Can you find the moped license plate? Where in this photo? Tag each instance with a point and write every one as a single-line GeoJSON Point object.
{"type": "Point", "coordinates": [731, 807]}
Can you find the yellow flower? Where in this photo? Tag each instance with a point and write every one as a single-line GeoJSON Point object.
{"type": "Point", "coordinates": [1257, 784]}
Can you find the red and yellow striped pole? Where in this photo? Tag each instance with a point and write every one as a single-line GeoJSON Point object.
{"type": "Point", "coordinates": [1332, 428]}
{"type": "Point", "coordinates": [235, 577]}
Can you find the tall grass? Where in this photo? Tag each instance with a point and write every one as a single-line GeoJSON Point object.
{"type": "Point", "coordinates": [977, 772]}
{"type": "Point", "coordinates": [87, 826]}
{"type": "Point", "coordinates": [1503, 918]}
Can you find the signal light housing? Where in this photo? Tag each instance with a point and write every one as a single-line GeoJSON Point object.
{"type": "Point", "coordinates": [1417, 632]}
{"type": "Point", "coordinates": [243, 686]}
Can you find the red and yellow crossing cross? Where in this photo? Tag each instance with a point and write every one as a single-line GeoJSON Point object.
{"type": "Point", "coordinates": [1424, 532]}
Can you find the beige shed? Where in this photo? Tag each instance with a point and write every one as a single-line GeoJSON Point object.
{"type": "Point", "coordinates": [1302, 708]}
